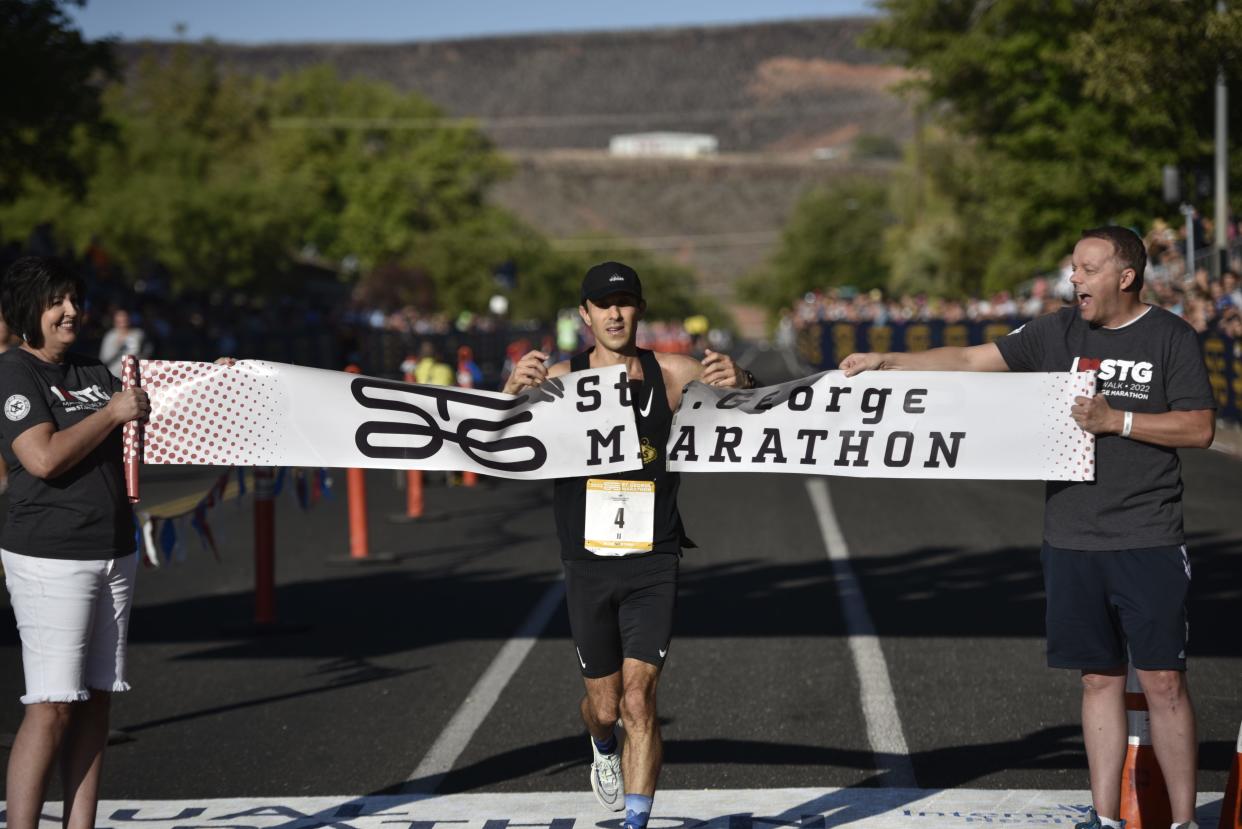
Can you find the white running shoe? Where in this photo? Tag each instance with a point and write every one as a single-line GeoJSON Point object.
{"type": "Point", "coordinates": [606, 779]}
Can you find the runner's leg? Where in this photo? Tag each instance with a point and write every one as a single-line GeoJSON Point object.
{"type": "Point", "coordinates": [601, 705]}
{"type": "Point", "coordinates": [644, 750]}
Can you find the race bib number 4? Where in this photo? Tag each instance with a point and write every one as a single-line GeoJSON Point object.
{"type": "Point", "coordinates": [620, 516]}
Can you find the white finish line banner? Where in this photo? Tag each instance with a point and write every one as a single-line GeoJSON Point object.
{"type": "Point", "coordinates": [890, 424]}
{"type": "Point", "coordinates": [257, 413]}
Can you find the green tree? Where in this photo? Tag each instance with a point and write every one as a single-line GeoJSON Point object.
{"type": "Point", "coordinates": [183, 182]}
{"type": "Point", "coordinates": [388, 167]}
{"type": "Point", "coordinates": [949, 224]}
{"type": "Point", "coordinates": [52, 82]}
{"type": "Point", "coordinates": [1073, 107]}
{"type": "Point", "coordinates": [229, 179]}
{"type": "Point", "coordinates": [835, 236]}
{"type": "Point", "coordinates": [214, 175]}
{"type": "Point", "coordinates": [187, 183]}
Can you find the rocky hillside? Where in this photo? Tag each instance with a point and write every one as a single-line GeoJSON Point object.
{"type": "Point", "coordinates": [780, 98]}
{"type": "Point", "coordinates": [763, 87]}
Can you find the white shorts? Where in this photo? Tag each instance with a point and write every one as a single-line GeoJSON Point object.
{"type": "Point", "coordinates": [73, 617]}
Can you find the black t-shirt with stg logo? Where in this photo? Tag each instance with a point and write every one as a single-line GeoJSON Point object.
{"type": "Point", "coordinates": [83, 514]}
{"type": "Point", "coordinates": [1152, 365]}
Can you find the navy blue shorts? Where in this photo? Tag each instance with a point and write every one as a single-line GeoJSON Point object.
{"type": "Point", "coordinates": [1100, 602]}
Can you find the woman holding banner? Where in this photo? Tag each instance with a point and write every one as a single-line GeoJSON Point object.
{"type": "Point", "coordinates": [68, 539]}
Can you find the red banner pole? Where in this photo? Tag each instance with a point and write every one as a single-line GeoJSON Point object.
{"type": "Point", "coordinates": [413, 477]}
{"type": "Point", "coordinates": [131, 432]}
{"type": "Point", "coordinates": [465, 380]}
{"type": "Point", "coordinates": [356, 486]}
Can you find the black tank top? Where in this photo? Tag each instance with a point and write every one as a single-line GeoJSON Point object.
{"type": "Point", "coordinates": [654, 419]}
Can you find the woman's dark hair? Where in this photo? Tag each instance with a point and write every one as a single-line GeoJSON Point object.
{"type": "Point", "coordinates": [28, 288]}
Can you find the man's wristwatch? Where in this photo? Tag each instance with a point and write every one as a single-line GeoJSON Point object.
{"type": "Point", "coordinates": [751, 382]}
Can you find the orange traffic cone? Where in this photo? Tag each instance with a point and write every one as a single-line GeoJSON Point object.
{"type": "Point", "coordinates": [1144, 798]}
{"type": "Point", "coordinates": [465, 379]}
{"type": "Point", "coordinates": [1231, 805]}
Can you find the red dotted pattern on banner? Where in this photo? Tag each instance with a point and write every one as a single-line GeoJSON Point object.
{"type": "Point", "coordinates": [202, 413]}
{"type": "Point", "coordinates": [1069, 452]}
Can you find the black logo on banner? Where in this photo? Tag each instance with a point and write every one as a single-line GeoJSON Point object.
{"type": "Point", "coordinates": [442, 397]}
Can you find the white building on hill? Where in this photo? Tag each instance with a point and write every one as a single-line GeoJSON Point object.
{"type": "Point", "coordinates": [663, 145]}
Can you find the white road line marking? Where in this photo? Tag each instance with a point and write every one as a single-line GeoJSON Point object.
{"type": "Point", "coordinates": [710, 809]}
{"type": "Point", "coordinates": [791, 363]}
{"type": "Point", "coordinates": [879, 704]}
{"type": "Point", "coordinates": [474, 708]}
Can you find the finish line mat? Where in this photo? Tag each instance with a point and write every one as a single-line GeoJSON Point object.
{"type": "Point", "coordinates": [701, 809]}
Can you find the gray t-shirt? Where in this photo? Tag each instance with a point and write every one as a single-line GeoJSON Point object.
{"type": "Point", "coordinates": [83, 513]}
{"type": "Point", "coordinates": [1152, 365]}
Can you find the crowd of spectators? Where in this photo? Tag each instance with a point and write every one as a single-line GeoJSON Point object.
{"type": "Point", "coordinates": [137, 312]}
{"type": "Point", "coordinates": [1209, 305]}
{"type": "Point", "coordinates": [322, 324]}
{"type": "Point", "coordinates": [328, 324]}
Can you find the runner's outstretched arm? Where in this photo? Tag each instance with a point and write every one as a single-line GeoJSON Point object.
{"type": "Point", "coordinates": [986, 357]}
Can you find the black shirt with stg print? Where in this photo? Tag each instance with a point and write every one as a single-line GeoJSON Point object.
{"type": "Point", "coordinates": [1151, 365]}
{"type": "Point", "coordinates": [83, 514]}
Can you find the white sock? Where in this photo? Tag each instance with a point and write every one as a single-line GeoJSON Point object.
{"type": "Point", "coordinates": [1190, 824]}
{"type": "Point", "coordinates": [1109, 822]}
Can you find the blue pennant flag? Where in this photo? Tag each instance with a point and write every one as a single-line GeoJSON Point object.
{"type": "Point", "coordinates": [168, 538]}
{"type": "Point", "coordinates": [178, 539]}
{"type": "Point", "coordinates": [139, 544]}
{"type": "Point", "coordinates": [301, 489]}
{"type": "Point", "coordinates": [205, 537]}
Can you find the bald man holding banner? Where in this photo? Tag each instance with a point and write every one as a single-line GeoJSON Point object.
{"type": "Point", "coordinates": [1116, 569]}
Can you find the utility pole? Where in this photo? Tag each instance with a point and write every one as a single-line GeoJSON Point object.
{"type": "Point", "coordinates": [1222, 165]}
{"type": "Point", "coordinates": [1188, 211]}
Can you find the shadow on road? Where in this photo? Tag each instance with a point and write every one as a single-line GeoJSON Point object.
{"type": "Point", "coordinates": [929, 592]}
{"type": "Point", "coordinates": [926, 592]}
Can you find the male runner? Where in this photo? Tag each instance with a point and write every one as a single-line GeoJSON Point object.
{"type": "Point", "coordinates": [1116, 570]}
{"type": "Point", "coordinates": [620, 593]}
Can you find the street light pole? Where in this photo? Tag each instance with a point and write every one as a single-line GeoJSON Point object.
{"type": "Point", "coordinates": [1222, 160]}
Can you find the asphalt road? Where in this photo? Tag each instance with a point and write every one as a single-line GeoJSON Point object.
{"type": "Point", "coordinates": [372, 662]}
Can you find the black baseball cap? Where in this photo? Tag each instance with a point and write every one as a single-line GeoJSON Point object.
{"type": "Point", "coordinates": [610, 278]}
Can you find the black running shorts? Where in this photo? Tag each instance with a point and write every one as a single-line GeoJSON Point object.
{"type": "Point", "coordinates": [620, 608]}
{"type": "Point", "coordinates": [1101, 601]}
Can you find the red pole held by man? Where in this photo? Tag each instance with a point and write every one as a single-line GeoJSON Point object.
{"type": "Point", "coordinates": [356, 484]}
